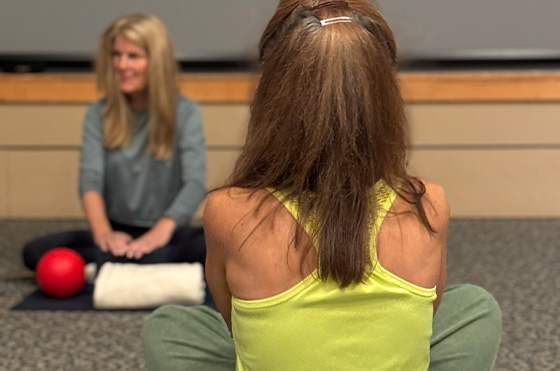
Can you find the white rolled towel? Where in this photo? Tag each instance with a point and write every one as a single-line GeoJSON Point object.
{"type": "Point", "coordinates": [137, 286]}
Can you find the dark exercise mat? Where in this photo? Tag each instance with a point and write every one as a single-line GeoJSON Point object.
{"type": "Point", "coordinates": [39, 301]}
{"type": "Point", "coordinates": [82, 301]}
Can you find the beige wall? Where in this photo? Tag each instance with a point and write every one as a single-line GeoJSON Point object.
{"type": "Point", "coordinates": [4, 192]}
{"type": "Point", "coordinates": [495, 160]}
{"type": "Point", "coordinates": [39, 154]}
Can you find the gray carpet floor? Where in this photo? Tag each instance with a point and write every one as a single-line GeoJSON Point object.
{"type": "Point", "coordinates": [516, 260]}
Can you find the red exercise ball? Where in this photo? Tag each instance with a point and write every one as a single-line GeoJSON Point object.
{"type": "Point", "coordinates": [60, 272]}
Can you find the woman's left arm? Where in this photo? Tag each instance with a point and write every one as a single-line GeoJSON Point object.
{"type": "Point", "coordinates": [192, 157]}
{"type": "Point", "coordinates": [216, 225]}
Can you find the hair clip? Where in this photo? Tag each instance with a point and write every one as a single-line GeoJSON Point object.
{"type": "Point", "coordinates": [328, 21]}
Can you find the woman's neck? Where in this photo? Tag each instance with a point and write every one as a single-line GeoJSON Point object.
{"type": "Point", "coordinates": [139, 101]}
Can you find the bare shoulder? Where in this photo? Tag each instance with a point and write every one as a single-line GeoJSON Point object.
{"type": "Point", "coordinates": [406, 247]}
{"type": "Point", "coordinates": [434, 202]}
{"type": "Point", "coordinates": [227, 201]}
{"type": "Point", "coordinates": [231, 209]}
{"type": "Point", "coordinates": [217, 203]}
{"type": "Point", "coordinates": [222, 205]}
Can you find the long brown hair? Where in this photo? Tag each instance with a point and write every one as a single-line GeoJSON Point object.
{"type": "Point", "coordinates": [148, 32]}
{"type": "Point", "coordinates": [327, 122]}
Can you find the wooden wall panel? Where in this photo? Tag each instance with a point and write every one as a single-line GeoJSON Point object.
{"type": "Point", "coordinates": [81, 87]}
{"type": "Point", "coordinates": [4, 190]}
{"type": "Point", "coordinates": [459, 124]}
{"type": "Point", "coordinates": [225, 124]}
{"type": "Point", "coordinates": [220, 165]}
{"type": "Point", "coordinates": [481, 86]}
{"type": "Point", "coordinates": [61, 125]}
{"type": "Point", "coordinates": [43, 184]}
{"type": "Point", "coordinates": [437, 86]}
{"type": "Point", "coordinates": [494, 183]}
{"type": "Point", "coordinates": [41, 151]}
{"type": "Point", "coordinates": [38, 125]}
{"type": "Point", "coordinates": [502, 149]}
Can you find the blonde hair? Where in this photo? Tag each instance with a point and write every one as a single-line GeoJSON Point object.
{"type": "Point", "coordinates": [149, 33]}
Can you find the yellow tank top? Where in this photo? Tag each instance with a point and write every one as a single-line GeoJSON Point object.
{"type": "Point", "coordinates": [383, 324]}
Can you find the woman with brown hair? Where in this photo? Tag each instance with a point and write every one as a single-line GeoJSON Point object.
{"type": "Point", "coordinates": [142, 166]}
{"type": "Point", "coordinates": [323, 252]}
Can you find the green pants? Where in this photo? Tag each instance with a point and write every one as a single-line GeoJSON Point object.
{"type": "Point", "coordinates": [466, 335]}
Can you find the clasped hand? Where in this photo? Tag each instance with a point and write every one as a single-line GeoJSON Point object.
{"type": "Point", "coordinates": [122, 244]}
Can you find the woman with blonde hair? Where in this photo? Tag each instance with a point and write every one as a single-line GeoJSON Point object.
{"type": "Point", "coordinates": [142, 167]}
{"type": "Point", "coordinates": [323, 252]}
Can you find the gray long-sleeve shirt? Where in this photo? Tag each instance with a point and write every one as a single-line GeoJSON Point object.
{"type": "Point", "coordinates": [138, 189]}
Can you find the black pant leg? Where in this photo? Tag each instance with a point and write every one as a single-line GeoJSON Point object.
{"type": "Point", "coordinates": [188, 245]}
{"type": "Point", "coordinates": [79, 241]}
{"type": "Point", "coordinates": [156, 257]}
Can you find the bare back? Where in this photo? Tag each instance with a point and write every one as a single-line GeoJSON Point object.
{"type": "Point", "coordinates": [255, 263]}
